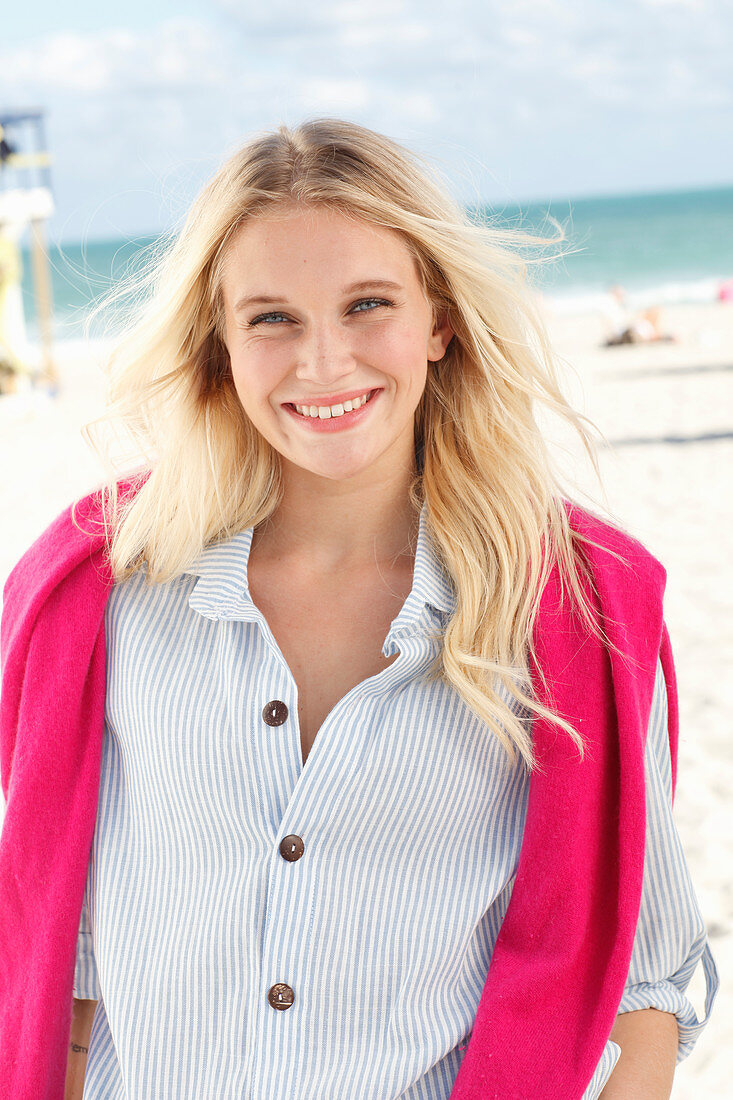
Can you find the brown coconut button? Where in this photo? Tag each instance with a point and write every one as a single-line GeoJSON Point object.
{"type": "Point", "coordinates": [275, 712]}
{"type": "Point", "coordinates": [280, 995]}
{"type": "Point", "coordinates": [291, 847]}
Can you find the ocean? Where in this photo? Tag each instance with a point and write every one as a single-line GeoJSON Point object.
{"type": "Point", "coordinates": [662, 248]}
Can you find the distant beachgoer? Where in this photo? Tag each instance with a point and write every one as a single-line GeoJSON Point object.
{"type": "Point", "coordinates": [339, 743]}
{"type": "Point", "coordinates": [644, 328]}
{"type": "Point", "coordinates": [616, 313]}
{"type": "Point", "coordinates": [725, 291]}
{"type": "Point", "coordinates": [647, 328]}
{"type": "Point", "coordinates": [6, 149]}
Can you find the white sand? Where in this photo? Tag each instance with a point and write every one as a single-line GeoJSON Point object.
{"type": "Point", "coordinates": [674, 496]}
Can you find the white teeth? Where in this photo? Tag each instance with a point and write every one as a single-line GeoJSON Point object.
{"type": "Point", "coordinates": [325, 412]}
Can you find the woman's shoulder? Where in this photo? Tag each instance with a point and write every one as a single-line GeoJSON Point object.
{"type": "Point", "coordinates": [614, 555]}
{"type": "Point", "coordinates": [71, 536]}
{"type": "Point", "coordinates": [629, 583]}
{"type": "Point", "coordinates": [68, 553]}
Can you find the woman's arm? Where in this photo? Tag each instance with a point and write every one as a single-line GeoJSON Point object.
{"type": "Point", "coordinates": [76, 1066]}
{"type": "Point", "coordinates": [645, 1069]}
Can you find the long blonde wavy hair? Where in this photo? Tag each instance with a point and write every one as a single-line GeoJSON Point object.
{"type": "Point", "coordinates": [494, 505]}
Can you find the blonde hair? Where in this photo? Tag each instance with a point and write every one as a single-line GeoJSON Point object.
{"type": "Point", "coordinates": [495, 511]}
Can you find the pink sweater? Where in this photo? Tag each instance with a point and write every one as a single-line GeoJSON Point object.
{"type": "Point", "coordinates": [572, 917]}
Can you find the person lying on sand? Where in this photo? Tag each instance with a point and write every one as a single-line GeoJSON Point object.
{"type": "Point", "coordinates": [645, 328]}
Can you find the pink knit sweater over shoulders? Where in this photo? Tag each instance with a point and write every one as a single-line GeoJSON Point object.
{"type": "Point", "coordinates": [572, 917]}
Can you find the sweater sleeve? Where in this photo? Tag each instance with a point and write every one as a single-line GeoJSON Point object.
{"type": "Point", "coordinates": [86, 982]}
{"type": "Point", "coordinates": [671, 940]}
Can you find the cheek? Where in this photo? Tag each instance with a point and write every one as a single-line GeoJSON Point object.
{"type": "Point", "coordinates": [255, 373]}
{"type": "Point", "coordinates": [241, 378]}
{"type": "Point", "coordinates": [410, 352]}
{"type": "Point", "coordinates": [400, 350]}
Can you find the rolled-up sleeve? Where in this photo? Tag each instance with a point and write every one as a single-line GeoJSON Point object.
{"type": "Point", "coordinates": [671, 940]}
{"type": "Point", "coordinates": [86, 982]}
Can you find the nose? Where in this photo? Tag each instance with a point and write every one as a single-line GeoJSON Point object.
{"type": "Point", "coordinates": [324, 356]}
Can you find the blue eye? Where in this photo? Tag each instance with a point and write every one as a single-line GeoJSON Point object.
{"type": "Point", "coordinates": [267, 317]}
{"type": "Point", "coordinates": [372, 301]}
{"type": "Point", "coordinates": [264, 317]}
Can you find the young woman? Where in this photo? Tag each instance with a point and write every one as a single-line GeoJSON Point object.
{"type": "Point", "coordinates": [338, 744]}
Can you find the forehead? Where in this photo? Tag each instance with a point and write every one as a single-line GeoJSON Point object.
{"type": "Point", "coordinates": [296, 242]}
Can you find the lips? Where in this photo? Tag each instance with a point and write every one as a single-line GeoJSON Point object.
{"type": "Point", "coordinates": [363, 399]}
{"type": "Point", "coordinates": [334, 423]}
{"type": "Point", "coordinates": [329, 400]}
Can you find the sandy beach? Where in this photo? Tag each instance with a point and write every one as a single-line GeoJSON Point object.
{"type": "Point", "coordinates": [666, 411]}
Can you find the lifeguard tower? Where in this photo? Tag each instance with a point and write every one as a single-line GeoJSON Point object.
{"type": "Point", "coordinates": [26, 202]}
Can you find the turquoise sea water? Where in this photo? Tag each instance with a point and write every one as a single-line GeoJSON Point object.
{"type": "Point", "coordinates": [663, 248]}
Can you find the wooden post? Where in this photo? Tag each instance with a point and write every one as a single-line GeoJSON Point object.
{"type": "Point", "coordinates": [44, 304]}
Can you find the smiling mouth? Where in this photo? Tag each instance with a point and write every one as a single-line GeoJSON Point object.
{"type": "Point", "coordinates": [331, 412]}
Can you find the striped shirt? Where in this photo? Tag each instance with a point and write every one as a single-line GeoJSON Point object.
{"type": "Point", "coordinates": [411, 817]}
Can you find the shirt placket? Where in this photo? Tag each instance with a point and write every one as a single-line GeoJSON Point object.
{"type": "Point", "coordinates": [289, 802]}
{"type": "Point", "coordinates": [280, 1019]}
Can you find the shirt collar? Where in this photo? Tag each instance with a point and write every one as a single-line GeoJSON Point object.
{"type": "Point", "coordinates": [222, 591]}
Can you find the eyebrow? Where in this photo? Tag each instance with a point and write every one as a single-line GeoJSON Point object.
{"type": "Point", "coordinates": [365, 284]}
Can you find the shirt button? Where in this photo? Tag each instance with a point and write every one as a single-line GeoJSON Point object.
{"type": "Point", "coordinates": [280, 995]}
{"type": "Point", "coordinates": [275, 712]}
{"type": "Point", "coordinates": [291, 848]}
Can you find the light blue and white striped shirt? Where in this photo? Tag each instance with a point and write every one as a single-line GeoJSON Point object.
{"type": "Point", "coordinates": [411, 819]}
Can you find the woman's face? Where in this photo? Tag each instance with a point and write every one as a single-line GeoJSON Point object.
{"type": "Point", "coordinates": [311, 321]}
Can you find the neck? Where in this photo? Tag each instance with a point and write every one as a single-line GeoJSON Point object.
{"type": "Point", "coordinates": [330, 527]}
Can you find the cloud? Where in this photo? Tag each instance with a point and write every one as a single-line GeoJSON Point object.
{"type": "Point", "coordinates": [145, 116]}
{"type": "Point", "coordinates": [691, 5]}
{"type": "Point", "coordinates": [179, 52]}
{"type": "Point", "coordinates": [321, 93]}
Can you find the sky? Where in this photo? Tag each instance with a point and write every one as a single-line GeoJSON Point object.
{"type": "Point", "coordinates": [510, 100]}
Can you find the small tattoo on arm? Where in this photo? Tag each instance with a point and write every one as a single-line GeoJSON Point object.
{"type": "Point", "coordinates": [78, 1049]}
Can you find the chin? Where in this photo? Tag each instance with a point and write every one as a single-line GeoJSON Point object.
{"type": "Point", "coordinates": [334, 471]}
